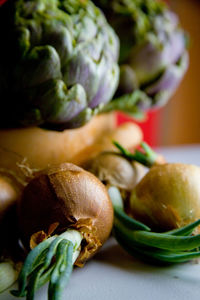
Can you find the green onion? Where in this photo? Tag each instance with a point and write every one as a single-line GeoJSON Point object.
{"type": "Point", "coordinates": [61, 273]}
{"type": "Point", "coordinates": [40, 266]}
{"type": "Point", "coordinates": [186, 230]}
{"type": "Point", "coordinates": [159, 240]}
{"type": "Point", "coordinates": [153, 256]}
{"type": "Point", "coordinates": [147, 157]}
{"type": "Point", "coordinates": [33, 260]}
{"type": "Point", "coordinates": [130, 222]}
{"type": "Point", "coordinates": [117, 202]}
{"type": "Point", "coordinates": [174, 246]}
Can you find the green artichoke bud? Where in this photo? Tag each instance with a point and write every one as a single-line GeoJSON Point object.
{"type": "Point", "coordinates": [153, 55]}
{"type": "Point", "coordinates": [58, 63]}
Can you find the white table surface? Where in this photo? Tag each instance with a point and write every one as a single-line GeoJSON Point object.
{"type": "Point", "coordinates": [114, 275]}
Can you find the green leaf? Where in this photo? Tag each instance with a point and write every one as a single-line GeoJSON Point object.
{"type": "Point", "coordinates": [155, 255]}
{"type": "Point", "coordinates": [147, 157]}
{"type": "Point", "coordinates": [159, 240]}
{"type": "Point", "coordinates": [133, 104]}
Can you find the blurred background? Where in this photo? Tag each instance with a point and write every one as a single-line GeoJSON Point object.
{"type": "Point", "coordinates": [178, 122]}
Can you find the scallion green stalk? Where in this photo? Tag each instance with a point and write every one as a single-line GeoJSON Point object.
{"type": "Point", "coordinates": [50, 261]}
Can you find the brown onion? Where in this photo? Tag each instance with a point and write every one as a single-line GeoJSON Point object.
{"type": "Point", "coordinates": [167, 197]}
{"type": "Point", "coordinates": [68, 195]}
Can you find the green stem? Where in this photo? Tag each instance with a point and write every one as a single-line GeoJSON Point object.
{"type": "Point", "coordinates": [159, 240]}
{"type": "Point", "coordinates": [33, 260]}
{"type": "Point", "coordinates": [155, 255]}
{"type": "Point", "coordinates": [128, 221]}
{"type": "Point", "coordinates": [134, 104]}
{"type": "Point", "coordinates": [35, 278]}
{"type": "Point", "coordinates": [61, 273]}
{"type": "Point", "coordinates": [40, 266]}
{"type": "Point", "coordinates": [186, 230]}
{"type": "Point", "coordinates": [146, 157]}
{"type": "Point", "coordinates": [117, 202]}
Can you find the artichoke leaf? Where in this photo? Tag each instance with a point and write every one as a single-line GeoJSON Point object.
{"type": "Point", "coordinates": [56, 104]}
{"type": "Point", "coordinates": [134, 104]}
{"type": "Point", "coordinates": [41, 64]}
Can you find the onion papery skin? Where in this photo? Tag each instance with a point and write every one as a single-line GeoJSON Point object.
{"type": "Point", "coordinates": [71, 196]}
{"type": "Point", "coordinates": [167, 197]}
{"type": "Point", "coordinates": [113, 169]}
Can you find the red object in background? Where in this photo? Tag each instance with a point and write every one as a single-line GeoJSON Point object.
{"type": "Point", "coordinates": [150, 126]}
{"type": "Point", "coordinates": [2, 1]}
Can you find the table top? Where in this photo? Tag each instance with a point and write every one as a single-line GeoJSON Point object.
{"type": "Point", "coordinates": [114, 275]}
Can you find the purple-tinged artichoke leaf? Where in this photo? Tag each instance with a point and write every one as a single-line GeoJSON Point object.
{"type": "Point", "coordinates": [151, 57]}
{"type": "Point", "coordinates": [168, 82]}
{"type": "Point", "coordinates": [81, 119]}
{"type": "Point", "coordinates": [107, 85]}
{"type": "Point", "coordinates": [61, 39]}
{"type": "Point", "coordinates": [55, 104]}
{"type": "Point", "coordinates": [41, 64]}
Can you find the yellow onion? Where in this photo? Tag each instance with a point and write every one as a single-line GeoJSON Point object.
{"type": "Point", "coordinates": [167, 197]}
{"type": "Point", "coordinates": [115, 170]}
{"type": "Point", "coordinates": [68, 195]}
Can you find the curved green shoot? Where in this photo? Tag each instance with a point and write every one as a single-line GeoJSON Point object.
{"type": "Point", "coordinates": [146, 156]}
{"type": "Point", "coordinates": [174, 246]}
{"type": "Point", "coordinates": [117, 202]}
{"type": "Point", "coordinates": [50, 261]}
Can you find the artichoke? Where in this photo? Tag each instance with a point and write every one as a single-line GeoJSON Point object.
{"type": "Point", "coordinates": [58, 63]}
{"type": "Point", "coordinates": [153, 55]}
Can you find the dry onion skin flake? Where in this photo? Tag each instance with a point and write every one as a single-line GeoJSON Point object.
{"type": "Point", "coordinates": [66, 214]}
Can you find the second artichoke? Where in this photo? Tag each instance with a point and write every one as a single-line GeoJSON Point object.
{"type": "Point", "coordinates": [153, 54]}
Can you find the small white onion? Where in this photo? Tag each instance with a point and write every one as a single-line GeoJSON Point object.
{"type": "Point", "coordinates": [8, 275]}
